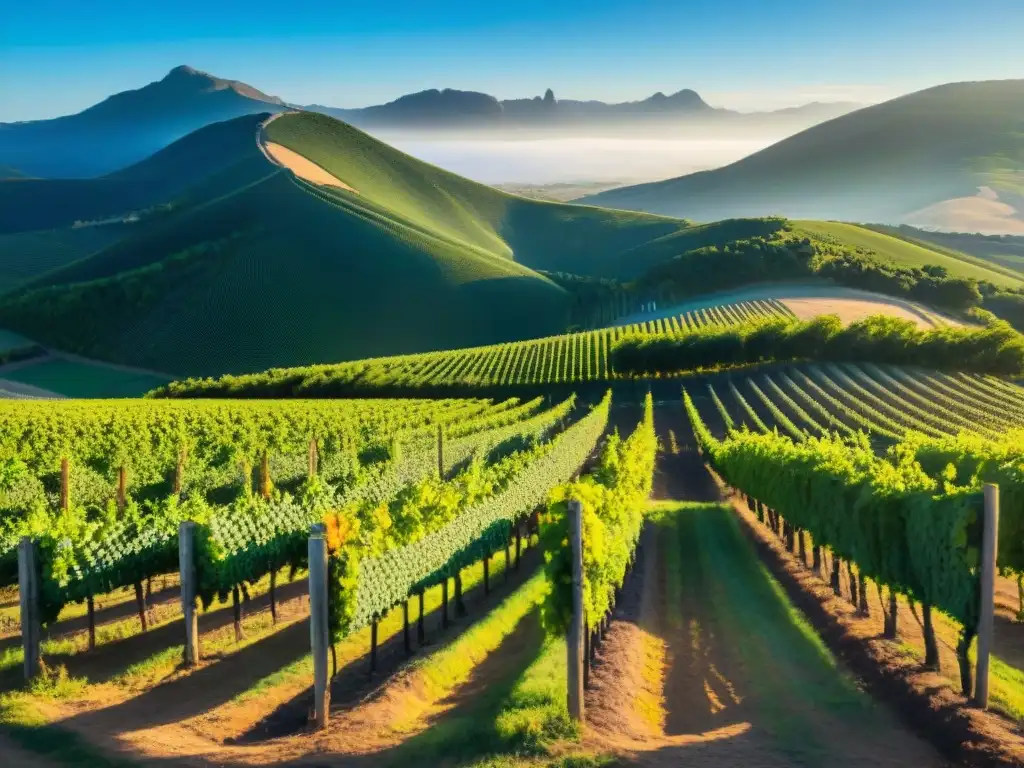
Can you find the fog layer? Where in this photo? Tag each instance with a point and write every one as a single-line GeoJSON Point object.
{"type": "Point", "coordinates": [552, 160]}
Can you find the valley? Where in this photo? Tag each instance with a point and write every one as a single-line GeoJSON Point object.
{"type": "Point", "coordinates": [674, 419]}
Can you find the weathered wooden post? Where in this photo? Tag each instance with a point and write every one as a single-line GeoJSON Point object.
{"type": "Point", "coordinates": [318, 631]}
{"type": "Point", "coordinates": [28, 593]}
{"type": "Point", "coordinates": [577, 625]}
{"type": "Point", "coordinates": [65, 484]}
{"type": "Point", "coordinates": [444, 603]}
{"type": "Point", "coordinates": [265, 484]}
{"type": "Point", "coordinates": [421, 633]}
{"type": "Point", "coordinates": [179, 473]}
{"type": "Point", "coordinates": [440, 452]}
{"type": "Point", "coordinates": [508, 558]}
{"type": "Point", "coordinates": [487, 575]}
{"type": "Point", "coordinates": [406, 640]}
{"type": "Point", "coordinates": [122, 489]}
{"type": "Point", "coordinates": [460, 607]}
{"type": "Point", "coordinates": [314, 458]}
{"type": "Point", "coordinates": [187, 568]}
{"type": "Point", "coordinates": [373, 646]}
{"type": "Point", "coordinates": [986, 621]}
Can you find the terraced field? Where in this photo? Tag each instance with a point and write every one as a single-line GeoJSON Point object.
{"type": "Point", "coordinates": [885, 401]}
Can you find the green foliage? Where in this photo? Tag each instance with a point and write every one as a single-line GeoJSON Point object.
{"type": "Point", "coordinates": [613, 497]}
{"type": "Point", "coordinates": [432, 530]}
{"type": "Point", "coordinates": [94, 548]}
{"type": "Point", "coordinates": [903, 528]}
{"type": "Point", "coordinates": [570, 358]}
{"type": "Point", "coordinates": [996, 348]}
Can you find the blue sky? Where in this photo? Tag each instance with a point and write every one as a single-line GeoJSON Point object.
{"type": "Point", "coordinates": [59, 56]}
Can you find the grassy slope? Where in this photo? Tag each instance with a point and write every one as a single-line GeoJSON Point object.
{"type": "Point", "coordinates": [874, 164]}
{"type": "Point", "coordinates": [36, 204]}
{"type": "Point", "coordinates": [1002, 253]}
{"type": "Point", "coordinates": [537, 234]}
{"type": "Point", "coordinates": [908, 253]}
{"type": "Point", "coordinates": [254, 269]}
{"type": "Point", "coordinates": [28, 255]}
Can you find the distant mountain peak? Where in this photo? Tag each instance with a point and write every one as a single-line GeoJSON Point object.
{"type": "Point", "coordinates": [186, 76]}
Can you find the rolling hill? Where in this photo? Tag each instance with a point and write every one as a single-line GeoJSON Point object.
{"type": "Point", "coordinates": [127, 126]}
{"type": "Point", "coordinates": [238, 264]}
{"type": "Point", "coordinates": [883, 163]}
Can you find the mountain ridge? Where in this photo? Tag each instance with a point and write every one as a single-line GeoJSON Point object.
{"type": "Point", "coordinates": [881, 163]}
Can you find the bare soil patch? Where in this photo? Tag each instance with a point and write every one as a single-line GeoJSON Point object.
{"type": "Point", "coordinates": [304, 168]}
{"type": "Point", "coordinates": [851, 310]}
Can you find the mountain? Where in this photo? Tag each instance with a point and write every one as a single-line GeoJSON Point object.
{"type": "Point", "coordinates": [292, 239]}
{"type": "Point", "coordinates": [470, 110]}
{"type": "Point", "coordinates": [127, 126]}
{"type": "Point", "coordinates": [887, 163]}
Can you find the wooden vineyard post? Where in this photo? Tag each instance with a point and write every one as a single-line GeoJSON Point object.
{"type": "Point", "coordinates": [90, 608]}
{"type": "Point", "coordinates": [421, 631]}
{"type": "Point", "coordinates": [65, 485]}
{"type": "Point", "coordinates": [314, 458]}
{"type": "Point", "coordinates": [444, 603]}
{"type": "Point", "coordinates": [440, 452]}
{"type": "Point", "coordinates": [236, 609]}
{"type": "Point", "coordinates": [460, 607]}
{"type": "Point", "coordinates": [122, 489]}
{"type": "Point", "coordinates": [373, 646]}
{"type": "Point", "coordinates": [265, 484]}
{"type": "Point", "coordinates": [28, 594]}
{"type": "Point", "coordinates": [318, 629]}
{"type": "Point", "coordinates": [187, 568]}
{"type": "Point", "coordinates": [273, 596]}
{"type": "Point", "coordinates": [519, 543]}
{"type": "Point", "coordinates": [406, 640]}
{"type": "Point", "coordinates": [577, 627]}
{"type": "Point", "coordinates": [508, 559]}
{"type": "Point", "coordinates": [487, 575]}
{"type": "Point", "coordinates": [179, 473]}
{"type": "Point", "coordinates": [986, 622]}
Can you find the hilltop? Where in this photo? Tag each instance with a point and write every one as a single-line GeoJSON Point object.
{"type": "Point", "coordinates": [888, 163]}
{"type": "Point", "coordinates": [128, 126]}
{"type": "Point", "coordinates": [211, 256]}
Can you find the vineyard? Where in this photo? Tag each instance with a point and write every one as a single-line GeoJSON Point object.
{"type": "Point", "coordinates": [901, 518]}
{"type": "Point", "coordinates": [886, 402]}
{"type": "Point", "coordinates": [706, 340]}
{"type": "Point", "coordinates": [569, 358]}
{"type": "Point", "coordinates": [104, 486]}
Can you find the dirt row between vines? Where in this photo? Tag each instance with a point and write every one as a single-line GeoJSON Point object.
{"type": "Point", "coordinates": [195, 718]}
{"type": "Point", "coordinates": [683, 678]}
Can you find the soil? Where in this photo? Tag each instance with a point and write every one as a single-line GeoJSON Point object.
{"type": "Point", "coordinates": [722, 694]}
{"type": "Point", "coordinates": [303, 168]}
{"type": "Point", "coordinates": [704, 664]}
{"type": "Point", "coordinates": [192, 719]}
{"type": "Point", "coordinates": [851, 310]}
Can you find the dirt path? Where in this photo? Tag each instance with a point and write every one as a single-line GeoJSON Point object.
{"type": "Point", "coordinates": [738, 675]}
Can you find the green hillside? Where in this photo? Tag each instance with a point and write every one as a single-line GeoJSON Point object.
{"type": "Point", "coordinates": [29, 255]}
{"type": "Point", "coordinates": [875, 164]}
{"type": "Point", "coordinates": [911, 254]}
{"type": "Point", "coordinates": [244, 266]}
{"type": "Point", "coordinates": [210, 162]}
{"type": "Point", "coordinates": [236, 264]}
{"type": "Point", "coordinates": [1003, 253]}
